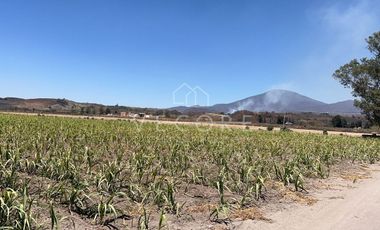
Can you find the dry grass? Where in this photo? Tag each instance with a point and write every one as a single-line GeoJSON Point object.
{"type": "Point", "coordinates": [355, 177]}
{"type": "Point", "coordinates": [288, 194]}
{"type": "Point", "coordinates": [252, 213]}
{"type": "Point", "coordinates": [299, 198]}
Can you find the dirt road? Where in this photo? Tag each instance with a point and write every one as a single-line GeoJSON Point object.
{"type": "Point", "coordinates": [348, 206]}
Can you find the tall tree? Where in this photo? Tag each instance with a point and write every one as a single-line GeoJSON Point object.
{"type": "Point", "coordinates": [363, 77]}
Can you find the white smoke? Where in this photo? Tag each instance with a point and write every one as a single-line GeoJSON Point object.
{"type": "Point", "coordinates": [245, 105]}
{"type": "Point", "coordinates": [271, 98]}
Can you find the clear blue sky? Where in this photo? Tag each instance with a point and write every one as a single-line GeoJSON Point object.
{"type": "Point", "coordinates": [137, 52]}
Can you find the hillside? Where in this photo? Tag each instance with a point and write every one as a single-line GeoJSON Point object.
{"type": "Point", "coordinates": [278, 101]}
{"type": "Point", "coordinates": [40, 104]}
{"type": "Point", "coordinates": [63, 106]}
{"type": "Point", "coordinates": [271, 101]}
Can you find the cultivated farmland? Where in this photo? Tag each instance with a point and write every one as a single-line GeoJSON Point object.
{"type": "Point", "coordinates": [73, 173]}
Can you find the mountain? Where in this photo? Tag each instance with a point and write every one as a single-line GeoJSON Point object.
{"type": "Point", "coordinates": [271, 101]}
{"type": "Point", "coordinates": [279, 101]}
{"type": "Point", "coordinates": [63, 106]}
{"type": "Point", "coordinates": [343, 107]}
{"type": "Point", "coordinates": [36, 104]}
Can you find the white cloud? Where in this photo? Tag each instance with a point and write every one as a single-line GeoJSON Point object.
{"type": "Point", "coordinates": [349, 24]}
{"type": "Point", "coordinates": [342, 29]}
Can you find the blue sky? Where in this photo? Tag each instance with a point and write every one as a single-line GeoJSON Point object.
{"type": "Point", "coordinates": [138, 52]}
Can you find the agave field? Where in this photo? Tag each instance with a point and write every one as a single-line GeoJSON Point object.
{"type": "Point", "coordinates": [71, 173]}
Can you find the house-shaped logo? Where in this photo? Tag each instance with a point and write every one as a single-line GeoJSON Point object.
{"type": "Point", "coordinates": [185, 95]}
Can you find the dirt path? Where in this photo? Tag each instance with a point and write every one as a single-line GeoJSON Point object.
{"type": "Point", "coordinates": [345, 206]}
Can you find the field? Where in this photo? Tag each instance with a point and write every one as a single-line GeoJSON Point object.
{"type": "Point", "coordinates": [75, 173]}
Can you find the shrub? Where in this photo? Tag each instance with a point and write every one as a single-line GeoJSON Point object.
{"type": "Point", "coordinates": [285, 129]}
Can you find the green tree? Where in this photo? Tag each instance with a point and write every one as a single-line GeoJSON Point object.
{"type": "Point", "coordinates": [88, 110]}
{"type": "Point", "coordinates": [261, 118]}
{"type": "Point", "coordinates": [363, 77]}
{"type": "Point", "coordinates": [101, 110]}
{"type": "Point", "coordinates": [280, 120]}
{"type": "Point", "coordinates": [338, 121]}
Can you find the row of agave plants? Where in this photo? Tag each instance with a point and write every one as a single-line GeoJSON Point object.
{"type": "Point", "coordinates": [102, 170]}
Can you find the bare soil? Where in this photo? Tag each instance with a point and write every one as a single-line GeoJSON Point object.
{"type": "Point", "coordinates": [348, 200]}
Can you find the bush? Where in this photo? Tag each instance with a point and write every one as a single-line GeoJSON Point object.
{"type": "Point", "coordinates": [285, 129]}
{"type": "Point", "coordinates": [339, 121]}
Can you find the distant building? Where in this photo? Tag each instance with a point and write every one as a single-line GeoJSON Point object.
{"type": "Point", "coordinates": [135, 115]}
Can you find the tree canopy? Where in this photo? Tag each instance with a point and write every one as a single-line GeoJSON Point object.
{"type": "Point", "coordinates": [363, 77]}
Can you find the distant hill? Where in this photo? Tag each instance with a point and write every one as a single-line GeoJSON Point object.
{"type": "Point", "coordinates": [63, 106]}
{"type": "Point", "coordinates": [40, 104]}
{"type": "Point", "coordinates": [277, 101]}
{"type": "Point", "coordinates": [271, 101]}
